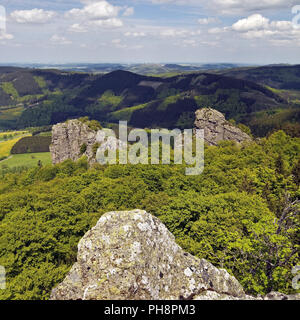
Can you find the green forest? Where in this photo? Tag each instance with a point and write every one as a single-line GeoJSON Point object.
{"type": "Point", "coordinates": [36, 98]}
{"type": "Point", "coordinates": [241, 214]}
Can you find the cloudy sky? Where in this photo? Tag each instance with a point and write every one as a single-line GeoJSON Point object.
{"type": "Point", "coordinates": [138, 31]}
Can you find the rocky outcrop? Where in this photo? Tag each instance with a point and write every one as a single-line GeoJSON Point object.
{"type": "Point", "coordinates": [217, 129]}
{"type": "Point", "coordinates": [74, 139]}
{"type": "Point", "coordinates": [280, 296]}
{"type": "Point", "coordinates": [132, 256]}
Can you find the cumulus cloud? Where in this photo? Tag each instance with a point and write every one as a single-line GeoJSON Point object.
{"type": "Point", "coordinates": [56, 39]}
{"type": "Point", "coordinates": [99, 10]}
{"type": "Point", "coordinates": [253, 22]}
{"type": "Point", "coordinates": [38, 16]}
{"type": "Point", "coordinates": [95, 14]}
{"type": "Point", "coordinates": [257, 26]}
{"type": "Point", "coordinates": [257, 22]}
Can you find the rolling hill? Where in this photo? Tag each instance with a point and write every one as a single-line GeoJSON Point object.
{"type": "Point", "coordinates": [140, 68]}
{"type": "Point", "coordinates": [34, 97]}
{"type": "Point", "coordinates": [275, 76]}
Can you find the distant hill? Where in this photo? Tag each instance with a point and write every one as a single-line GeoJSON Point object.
{"type": "Point", "coordinates": [34, 97]}
{"type": "Point", "coordinates": [140, 68]}
{"type": "Point", "coordinates": [275, 76]}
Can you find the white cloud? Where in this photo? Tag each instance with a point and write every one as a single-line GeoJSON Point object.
{"type": "Point", "coordinates": [99, 10]}
{"type": "Point", "coordinates": [95, 24]}
{"type": "Point", "coordinates": [281, 25]}
{"type": "Point", "coordinates": [258, 24]}
{"type": "Point", "coordinates": [258, 34]}
{"type": "Point", "coordinates": [258, 27]}
{"type": "Point", "coordinates": [56, 39]}
{"type": "Point", "coordinates": [128, 12]}
{"type": "Point", "coordinates": [32, 16]}
{"type": "Point", "coordinates": [254, 22]}
{"type": "Point", "coordinates": [94, 14]}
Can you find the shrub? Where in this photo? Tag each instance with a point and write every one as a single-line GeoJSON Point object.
{"type": "Point", "coordinates": [92, 124]}
{"type": "Point", "coordinates": [83, 148]}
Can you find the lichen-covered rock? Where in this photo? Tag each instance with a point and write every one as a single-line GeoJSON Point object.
{"type": "Point", "coordinates": [131, 256]}
{"type": "Point", "coordinates": [213, 295]}
{"type": "Point", "coordinates": [216, 128]}
{"type": "Point", "coordinates": [280, 296]}
{"type": "Point", "coordinates": [74, 139]}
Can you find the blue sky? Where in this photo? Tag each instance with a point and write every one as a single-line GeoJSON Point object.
{"type": "Point", "coordinates": [149, 31]}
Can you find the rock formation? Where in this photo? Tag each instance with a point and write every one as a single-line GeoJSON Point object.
{"type": "Point", "coordinates": [132, 256]}
{"type": "Point", "coordinates": [216, 128]}
{"type": "Point", "coordinates": [74, 139]}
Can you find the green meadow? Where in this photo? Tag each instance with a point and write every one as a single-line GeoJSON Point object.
{"type": "Point", "coordinates": [28, 160]}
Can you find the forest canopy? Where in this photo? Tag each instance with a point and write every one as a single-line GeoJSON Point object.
{"type": "Point", "coordinates": [241, 214]}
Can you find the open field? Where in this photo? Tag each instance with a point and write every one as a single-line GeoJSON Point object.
{"type": "Point", "coordinates": [8, 140]}
{"type": "Point", "coordinates": [9, 135]}
{"type": "Point", "coordinates": [5, 146]}
{"type": "Point", "coordinates": [28, 160]}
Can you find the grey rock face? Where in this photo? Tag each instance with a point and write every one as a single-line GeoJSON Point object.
{"type": "Point", "coordinates": [132, 256]}
{"type": "Point", "coordinates": [69, 139]}
{"type": "Point", "coordinates": [216, 128]}
{"type": "Point", "coordinates": [280, 296]}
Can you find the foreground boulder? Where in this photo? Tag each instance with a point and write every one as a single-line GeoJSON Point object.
{"type": "Point", "coordinates": [217, 129]}
{"type": "Point", "coordinates": [132, 256]}
{"type": "Point", "coordinates": [74, 139]}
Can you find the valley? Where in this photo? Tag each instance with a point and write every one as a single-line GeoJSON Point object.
{"type": "Point", "coordinates": [36, 97]}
